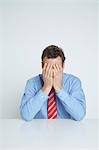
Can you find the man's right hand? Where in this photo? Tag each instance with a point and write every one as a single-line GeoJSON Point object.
{"type": "Point", "coordinates": [47, 77]}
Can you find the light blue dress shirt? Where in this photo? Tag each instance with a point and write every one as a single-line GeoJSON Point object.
{"type": "Point", "coordinates": [70, 100]}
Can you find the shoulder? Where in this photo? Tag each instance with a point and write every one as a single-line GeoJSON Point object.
{"type": "Point", "coordinates": [33, 82]}
{"type": "Point", "coordinates": [72, 82]}
{"type": "Point", "coordinates": [71, 78]}
{"type": "Point", "coordinates": [34, 79]}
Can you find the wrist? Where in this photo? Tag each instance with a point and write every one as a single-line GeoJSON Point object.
{"type": "Point", "coordinates": [46, 89]}
{"type": "Point", "coordinates": [58, 89]}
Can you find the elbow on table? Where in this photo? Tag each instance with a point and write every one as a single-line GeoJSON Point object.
{"type": "Point", "coordinates": [25, 116]}
{"type": "Point", "coordinates": [80, 117]}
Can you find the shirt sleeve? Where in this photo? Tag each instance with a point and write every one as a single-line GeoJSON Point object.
{"type": "Point", "coordinates": [74, 101]}
{"type": "Point", "coordinates": [31, 102]}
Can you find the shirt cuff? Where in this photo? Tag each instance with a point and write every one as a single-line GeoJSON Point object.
{"type": "Point", "coordinates": [43, 95]}
{"type": "Point", "coordinates": [62, 94]}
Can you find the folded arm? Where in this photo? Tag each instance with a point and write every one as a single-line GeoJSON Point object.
{"type": "Point", "coordinates": [74, 101]}
{"type": "Point", "coordinates": [31, 102]}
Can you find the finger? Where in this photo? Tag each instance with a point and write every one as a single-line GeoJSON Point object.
{"type": "Point", "coordinates": [47, 69]}
{"type": "Point", "coordinates": [45, 65]}
{"type": "Point", "coordinates": [60, 68]}
{"type": "Point", "coordinates": [44, 68]}
{"type": "Point", "coordinates": [55, 70]}
{"type": "Point", "coordinates": [57, 67]}
{"type": "Point", "coordinates": [50, 71]}
{"type": "Point", "coordinates": [54, 73]}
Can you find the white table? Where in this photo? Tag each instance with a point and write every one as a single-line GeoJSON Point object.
{"type": "Point", "coordinates": [48, 134]}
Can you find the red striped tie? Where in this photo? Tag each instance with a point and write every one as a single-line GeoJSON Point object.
{"type": "Point", "coordinates": [52, 109]}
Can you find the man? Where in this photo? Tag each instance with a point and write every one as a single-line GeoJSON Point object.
{"type": "Point", "coordinates": [53, 94]}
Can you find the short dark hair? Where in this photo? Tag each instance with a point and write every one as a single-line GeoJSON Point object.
{"type": "Point", "coordinates": [53, 51]}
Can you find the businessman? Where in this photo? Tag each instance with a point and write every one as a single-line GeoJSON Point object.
{"type": "Point", "coordinates": [53, 94]}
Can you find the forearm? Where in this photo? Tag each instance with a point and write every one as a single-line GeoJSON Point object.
{"type": "Point", "coordinates": [32, 105]}
{"type": "Point", "coordinates": [73, 105]}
